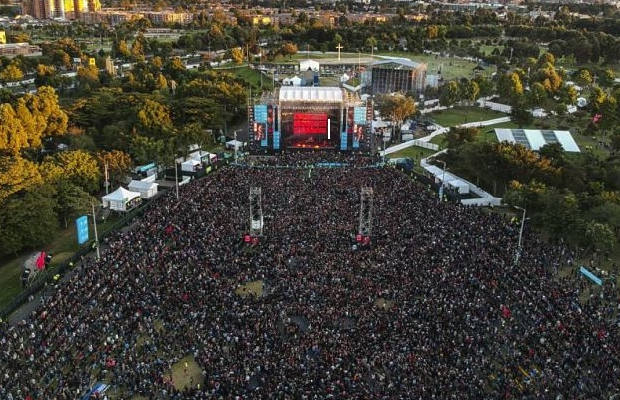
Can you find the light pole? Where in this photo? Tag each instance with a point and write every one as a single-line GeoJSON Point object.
{"type": "Point", "coordinates": [95, 226]}
{"type": "Point", "coordinates": [443, 177]}
{"type": "Point", "coordinates": [518, 255]}
{"type": "Point", "coordinates": [236, 146]}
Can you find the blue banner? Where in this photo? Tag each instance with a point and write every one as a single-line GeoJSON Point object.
{"type": "Point", "coordinates": [82, 229]}
{"type": "Point", "coordinates": [260, 113]}
{"type": "Point", "coordinates": [590, 275]}
{"type": "Point", "coordinates": [359, 115]}
{"type": "Point", "coordinates": [343, 140]}
{"type": "Point", "coordinates": [276, 140]}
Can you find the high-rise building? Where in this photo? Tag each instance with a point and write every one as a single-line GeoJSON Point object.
{"type": "Point", "coordinates": [65, 9]}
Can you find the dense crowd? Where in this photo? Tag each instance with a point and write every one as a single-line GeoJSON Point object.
{"type": "Point", "coordinates": [434, 308]}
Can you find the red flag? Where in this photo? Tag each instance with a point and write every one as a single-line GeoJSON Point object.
{"type": "Point", "coordinates": [40, 263]}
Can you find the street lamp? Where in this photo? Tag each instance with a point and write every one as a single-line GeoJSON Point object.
{"type": "Point", "coordinates": [518, 255]}
{"type": "Point", "coordinates": [236, 146]}
{"type": "Point", "coordinates": [443, 177]}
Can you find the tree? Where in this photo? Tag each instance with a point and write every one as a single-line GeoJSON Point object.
{"type": "Point", "coordinates": [599, 236]}
{"type": "Point", "coordinates": [88, 77]}
{"type": "Point", "coordinates": [118, 164]}
{"type": "Point", "coordinates": [606, 78]}
{"type": "Point", "coordinates": [12, 135]}
{"type": "Point", "coordinates": [553, 152]}
{"type": "Point", "coordinates": [236, 54]}
{"type": "Point", "coordinates": [449, 94]}
{"type": "Point", "coordinates": [28, 219]}
{"type": "Point", "coordinates": [520, 114]}
{"type": "Point", "coordinates": [17, 174]}
{"type": "Point", "coordinates": [121, 49]}
{"type": "Point", "coordinates": [469, 90]}
{"type": "Point", "coordinates": [72, 201]}
{"type": "Point", "coordinates": [398, 107]}
{"type": "Point", "coordinates": [46, 76]}
{"type": "Point", "coordinates": [155, 117]}
{"type": "Point", "coordinates": [288, 49]}
{"type": "Point", "coordinates": [78, 167]}
{"type": "Point", "coordinates": [51, 119]}
{"type": "Point", "coordinates": [138, 50]}
{"type": "Point", "coordinates": [12, 73]}
{"type": "Point", "coordinates": [584, 77]}
{"type": "Point", "coordinates": [456, 137]}
{"type": "Point", "coordinates": [537, 94]}
{"type": "Point", "coordinates": [371, 43]}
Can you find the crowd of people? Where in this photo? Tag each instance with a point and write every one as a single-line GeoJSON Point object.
{"type": "Point", "coordinates": [433, 308]}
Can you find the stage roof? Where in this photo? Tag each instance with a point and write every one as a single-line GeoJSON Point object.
{"type": "Point", "coordinates": [317, 94]}
{"type": "Point", "coordinates": [534, 139]}
{"type": "Point", "coordinates": [397, 63]}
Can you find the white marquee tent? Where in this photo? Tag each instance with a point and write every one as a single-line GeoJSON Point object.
{"type": "Point", "coordinates": [146, 189]}
{"type": "Point", "coordinates": [121, 199]}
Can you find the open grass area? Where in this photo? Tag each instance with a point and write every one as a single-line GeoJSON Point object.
{"type": "Point", "coordinates": [253, 76]}
{"type": "Point", "coordinates": [460, 115]}
{"type": "Point", "coordinates": [415, 153]}
{"type": "Point", "coordinates": [186, 374]}
{"type": "Point", "coordinates": [63, 247]}
{"type": "Point", "coordinates": [383, 304]}
{"type": "Point", "coordinates": [254, 288]}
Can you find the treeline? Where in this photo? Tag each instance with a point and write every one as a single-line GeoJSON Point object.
{"type": "Point", "coordinates": [52, 157]}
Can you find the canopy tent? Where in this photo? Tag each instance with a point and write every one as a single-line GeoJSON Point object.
{"type": "Point", "coordinates": [121, 199]}
{"type": "Point", "coordinates": [231, 144]}
{"type": "Point", "coordinates": [190, 165]}
{"type": "Point", "coordinates": [146, 189]}
{"type": "Point", "coordinates": [294, 81]}
{"type": "Point", "coordinates": [305, 65]}
{"type": "Point", "coordinates": [203, 156]}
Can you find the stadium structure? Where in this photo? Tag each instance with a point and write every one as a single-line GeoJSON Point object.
{"type": "Point", "coordinates": [309, 118]}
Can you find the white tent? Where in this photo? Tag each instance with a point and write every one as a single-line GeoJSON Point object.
{"type": "Point", "coordinates": [121, 199]}
{"type": "Point", "coordinates": [146, 189]}
{"type": "Point", "coordinates": [582, 102]}
{"type": "Point", "coordinates": [203, 156]}
{"type": "Point", "coordinates": [190, 165]}
{"type": "Point", "coordinates": [294, 81]}
{"type": "Point", "coordinates": [308, 64]}
{"type": "Point", "coordinates": [232, 144]}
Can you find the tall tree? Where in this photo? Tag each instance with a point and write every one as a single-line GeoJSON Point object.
{"type": "Point", "coordinates": [28, 219]}
{"type": "Point", "coordinates": [17, 174]}
{"type": "Point", "coordinates": [78, 167]}
{"type": "Point", "coordinates": [12, 135]}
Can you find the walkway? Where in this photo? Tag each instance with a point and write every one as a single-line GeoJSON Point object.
{"type": "Point", "coordinates": [484, 198]}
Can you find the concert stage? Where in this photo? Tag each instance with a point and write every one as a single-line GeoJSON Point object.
{"type": "Point", "coordinates": [309, 118]}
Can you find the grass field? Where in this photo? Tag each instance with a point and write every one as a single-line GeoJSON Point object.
{"type": "Point", "coordinates": [415, 153]}
{"type": "Point", "coordinates": [186, 374]}
{"type": "Point", "coordinates": [254, 288]}
{"type": "Point", "coordinates": [383, 304]}
{"type": "Point", "coordinates": [460, 115]}
{"type": "Point", "coordinates": [253, 77]}
{"type": "Point", "coordinates": [63, 247]}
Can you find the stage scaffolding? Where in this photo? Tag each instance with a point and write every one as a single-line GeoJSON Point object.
{"type": "Point", "coordinates": [366, 212]}
{"type": "Point", "coordinates": [256, 212]}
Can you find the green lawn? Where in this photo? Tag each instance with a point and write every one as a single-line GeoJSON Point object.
{"type": "Point", "coordinates": [460, 115]}
{"type": "Point", "coordinates": [415, 153]}
{"type": "Point", "coordinates": [63, 247]}
{"type": "Point", "coordinates": [253, 76]}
